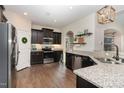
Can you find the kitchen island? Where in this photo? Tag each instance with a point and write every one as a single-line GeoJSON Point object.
{"type": "Point", "coordinates": [101, 75]}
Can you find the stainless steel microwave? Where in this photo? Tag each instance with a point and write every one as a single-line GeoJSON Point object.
{"type": "Point", "coordinates": [47, 40]}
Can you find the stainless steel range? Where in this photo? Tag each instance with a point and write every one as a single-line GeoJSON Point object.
{"type": "Point", "coordinates": [48, 56]}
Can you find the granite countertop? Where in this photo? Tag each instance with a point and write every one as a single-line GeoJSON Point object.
{"type": "Point", "coordinates": [103, 74]}
{"type": "Point", "coordinates": [85, 53]}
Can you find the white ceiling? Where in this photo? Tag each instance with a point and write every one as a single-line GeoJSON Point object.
{"type": "Point", "coordinates": [63, 15]}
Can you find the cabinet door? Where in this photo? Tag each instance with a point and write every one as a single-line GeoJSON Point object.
{"type": "Point", "coordinates": [34, 37]}
{"type": "Point", "coordinates": [57, 56]}
{"type": "Point", "coordinates": [82, 83]}
{"type": "Point", "coordinates": [56, 38]}
{"type": "Point", "coordinates": [45, 33]}
{"type": "Point", "coordinates": [37, 36]}
{"type": "Point", "coordinates": [40, 37]}
{"type": "Point", "coordinates": [91, 62]}
{"type": "Point", "coordinates": [87, 61]}
{"type": "Point", "coordinates": [48, 33]}
{"type": "Point", "coordinates": [69, 60]}
{"type": "Point", "coordinates": [36, 58]}
{"type": "Point", "coordinates": [2, 17]}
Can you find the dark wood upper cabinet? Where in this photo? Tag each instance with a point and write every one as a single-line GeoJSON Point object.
{"type": "Point", "coordinates": [34, 36]}
{"type": "Point", "coordinates": [2, 7]}
{"type": "Point", "coordinates": [2, 17]}
{"type": "Point", "coordinates": [47, 33]}
{"type": "Point", "coordinates": [37, 36]}
{"type": "Point", "coordinates": [56, 38]}
{"type": "Point", "coordinates": [40, 37]}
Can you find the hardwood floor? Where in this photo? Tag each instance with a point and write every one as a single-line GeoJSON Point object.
{"type": "Point", "coordinates": [54, 75]}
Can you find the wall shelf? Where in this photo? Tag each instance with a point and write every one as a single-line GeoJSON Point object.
{"type": "Point", "coordinates": [80, 43]}
{"type": "Point", "coordinates": [86, 34]}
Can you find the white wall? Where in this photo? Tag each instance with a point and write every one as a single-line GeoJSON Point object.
{"type": "Point", "coordinates": [94, 42]}
{"type": "Point", "coordinates": [85, 23]}
{"type": "Point", "coordinates": [99, 38]}
{"type": "Point", "coordinates": [22, 24]}
{"type": "Point", "coordinates": [79, 26]}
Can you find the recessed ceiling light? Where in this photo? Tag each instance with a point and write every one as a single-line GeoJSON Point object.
{"type": "Point", "coordinates": [55, 21]}
{"type": "Point", "coordinates": [25, 13]}
{"type": "Point", "coordinates": [70, 7]}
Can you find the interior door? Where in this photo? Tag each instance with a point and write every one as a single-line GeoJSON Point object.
{"type": "Point", "coordinates": [24, 48]}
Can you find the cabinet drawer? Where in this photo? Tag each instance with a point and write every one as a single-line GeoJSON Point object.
{"type": "Point", "coordinates": [57, 56]}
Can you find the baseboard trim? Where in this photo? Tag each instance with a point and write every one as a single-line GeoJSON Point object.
{"type": "Point", "coordinates": [22, 69]}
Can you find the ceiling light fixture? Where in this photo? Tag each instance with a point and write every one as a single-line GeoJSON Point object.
{"type": "Point", "coordinates": [25, 13]}
{"type": "Point", "coordinates": [106, 15]}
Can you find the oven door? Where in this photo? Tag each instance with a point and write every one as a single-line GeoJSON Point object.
{"type": "Point", "coordinates": [48, 57]}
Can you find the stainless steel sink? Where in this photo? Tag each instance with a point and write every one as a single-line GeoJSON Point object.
{"type": "Point", "coordinates": [110, 60]}
{"type": "Point", "coordinates": [105, 60]}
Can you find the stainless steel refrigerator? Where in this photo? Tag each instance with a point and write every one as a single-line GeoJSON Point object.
{"type": "Point", "coordinates": [8, 55]}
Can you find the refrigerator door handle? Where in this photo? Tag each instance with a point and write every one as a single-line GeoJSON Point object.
{"type": "Point", "coordinates": [18, 52]}
{"type": "Point", "coordinates": [17, 58]}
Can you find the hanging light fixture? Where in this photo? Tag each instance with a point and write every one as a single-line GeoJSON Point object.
{"type": "Point", "coordinates": [106, 15]}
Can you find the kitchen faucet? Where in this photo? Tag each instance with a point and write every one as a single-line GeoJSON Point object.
{"type": "Point", "coordinates": [117, 52]}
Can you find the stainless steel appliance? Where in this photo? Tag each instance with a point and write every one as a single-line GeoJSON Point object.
{"type": "Point", "coordinates": [8, 55]}
{"type": "Point", "coordinates": [47, 40]}
{"type": "Point", "coordinates": [48, 55]}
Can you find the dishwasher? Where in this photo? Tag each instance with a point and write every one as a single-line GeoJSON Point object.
{"type": "Point", "coordinates": [77, 62]}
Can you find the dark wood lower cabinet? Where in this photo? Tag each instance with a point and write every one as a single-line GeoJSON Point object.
{"type": "Point", "coordinates": [57, 55]}
{"type": "Point", "coordinates": [36, 58]}
{"type": "Point", "coordinates": [82, 83]}
{"type": "Point", "coordinates": [69, 61]}
{"type": "Point", "coordinates": [74, 61]}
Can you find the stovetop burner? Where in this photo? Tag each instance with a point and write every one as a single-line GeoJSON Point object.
{"type": "Point", "coordinates": [46, 49]}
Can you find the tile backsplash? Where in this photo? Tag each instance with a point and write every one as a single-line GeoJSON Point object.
{"type": "Point", "coordinates": [40, 46]}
